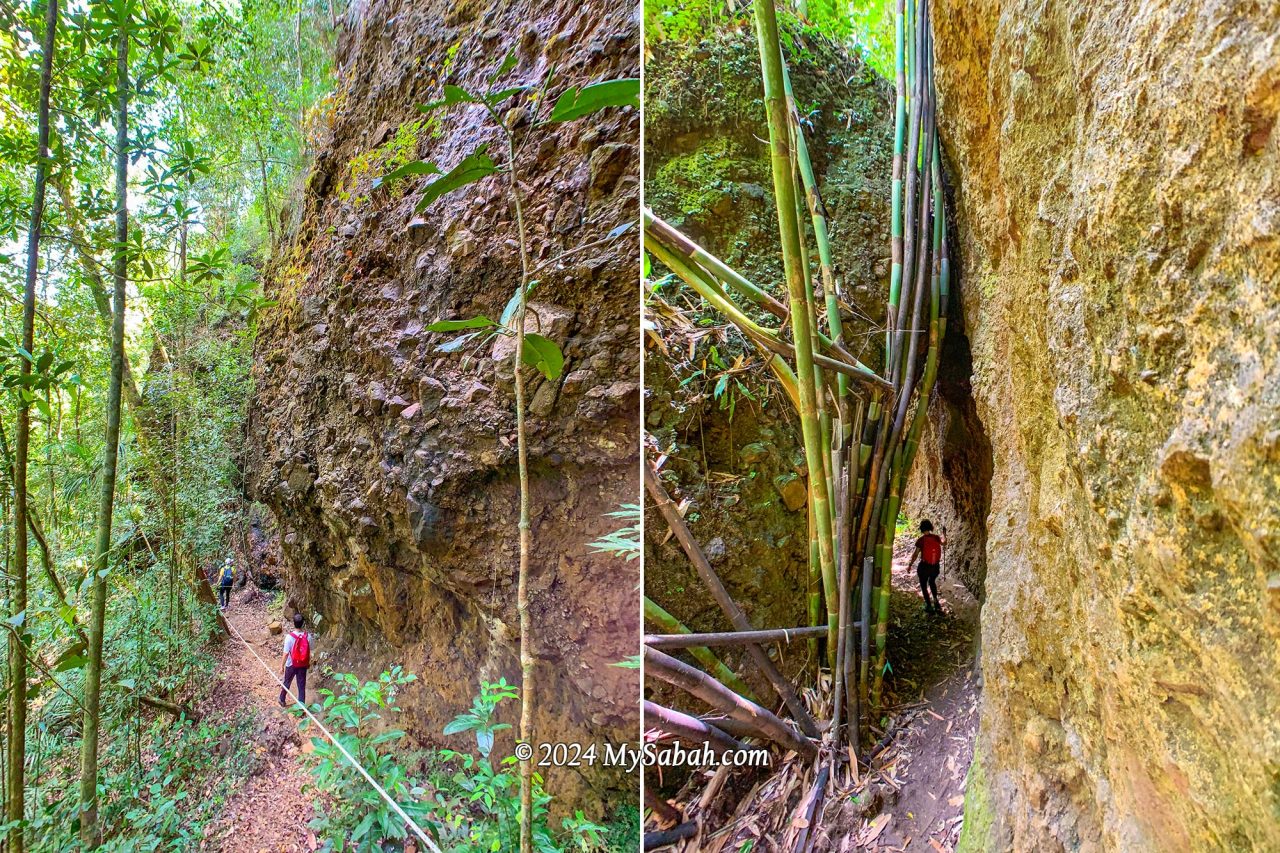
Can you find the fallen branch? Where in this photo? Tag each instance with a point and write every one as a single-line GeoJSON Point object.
{"type": "Point", "coordinates": [665, 837]}
{"type": "Point", "coordinates": [715, 694]}
{"type": "Point", "coordinates": [722, 597]}
{"type": "Point", "coordinates": [733, 638]}
{"type": "Point", "coordinates": [691, 729]}
{"type": "Point", "coordinates": [177, 711]}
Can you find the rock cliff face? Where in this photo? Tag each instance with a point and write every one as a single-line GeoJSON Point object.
{"type": "Point", "coordinates": [1117, 184]}
{"type": "Point", "coordinates": [390, 466]}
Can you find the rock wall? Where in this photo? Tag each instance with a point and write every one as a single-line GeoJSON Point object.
{"type": "Point", "coordinates": [389, 465]}
{"type": "Point", "coordinates": [1117, 188]}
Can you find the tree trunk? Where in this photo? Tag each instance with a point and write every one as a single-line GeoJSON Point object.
{"type": "Point", "coordinates": [17, 754]}
{"type": "Point", "coordinates": [90, 835]}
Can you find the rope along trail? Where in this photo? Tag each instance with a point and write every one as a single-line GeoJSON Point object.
{"type": "Point", "coordinates": [417, 830]}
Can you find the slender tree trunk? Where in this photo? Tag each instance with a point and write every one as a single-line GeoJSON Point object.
{"type": "Point", "coordinates": [17, 755]}
{"type": "Point", "coordinates": [526, 537]}
{"type": "Point", "coordinates": [90, 835]}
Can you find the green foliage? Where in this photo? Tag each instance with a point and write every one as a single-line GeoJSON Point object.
{"type": "Point", "coordinates": [478, 803]}
{"type": "Point", "coordinates": [576, 103]}
{"type": "Point", "coordinates": [156, 804]}
{"type": "Point", "coordinates": [864, 24]}
{"type": "Point", "coordinates": [625, 541]}
{"type": "Point", "coordinates": [352, 815]}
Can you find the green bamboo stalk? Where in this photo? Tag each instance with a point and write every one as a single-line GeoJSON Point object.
{"type": "Point", "coordinates": [706, 285]}
{"type": "Point", "coordinates": [789, 232]}
{"type": "Point", "coordinates": [656, 228]}
{"type": "Point", "coordinates": [678, 242]}
{"type": "Point", "coordinates": [899, 138]}
{"type": "Point", "coordinates": [814, 586]}
{"type": "Point", "coordinates": [821, 237]}
{"type": "Point", "coordinates": [653, 612]}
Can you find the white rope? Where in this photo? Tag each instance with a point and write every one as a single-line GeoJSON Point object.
{"type": "Point", "coordinates": [394, 805]}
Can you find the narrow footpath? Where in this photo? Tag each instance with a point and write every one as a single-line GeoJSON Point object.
{"type": "Point", "coordinates": [270, 811]}
{"type": "Point", "coordinates": [913, 798]}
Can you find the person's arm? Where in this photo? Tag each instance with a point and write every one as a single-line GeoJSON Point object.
{"type": "Point", "coordinates": [914, 554]}
{"type": "Point", "coordinates": [284, 660]}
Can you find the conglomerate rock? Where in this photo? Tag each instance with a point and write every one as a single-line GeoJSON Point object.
{"type": "Point", "coordinates": [390, 467]}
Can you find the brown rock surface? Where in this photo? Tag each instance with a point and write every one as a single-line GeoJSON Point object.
{"type": "Point", "coordinates": [389, 466]}
{"type": "Point", "coordinates": [1117, 189]}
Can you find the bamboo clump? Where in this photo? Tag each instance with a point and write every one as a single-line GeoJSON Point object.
{"type": "Point", "coordinates": [861, 427]}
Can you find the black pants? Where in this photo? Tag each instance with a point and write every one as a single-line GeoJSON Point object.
{"type": "Point", "coordinates": [224, 595]}
{"type": "Point", "coordinates": [927, 573]}
{"type": "Point", "coordinates": [291, 673]}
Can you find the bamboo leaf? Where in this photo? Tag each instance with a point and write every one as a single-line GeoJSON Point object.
{"type": "Point", "coordinates": [474, 167]}
{"type": "Point", "coordinates": [576, 103]}
{"type": "Point", "coordinates": [544, 355]}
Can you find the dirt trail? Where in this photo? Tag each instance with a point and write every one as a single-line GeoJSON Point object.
{"type": "Point", "coordinates": [914, 798]}
{"type": "Point", "coordinates": [269, 813]}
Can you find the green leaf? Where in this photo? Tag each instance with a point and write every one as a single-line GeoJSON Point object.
{"type": "Point", "coordinates": [44, 361]}
{"type": "Point", "coordinates": [71, 662]}
{"type": "Point", "coordinates": [127, 683]}
{"type": "Point", "coordinates": [457, 343]}
{"type": "Point", "coordinates": [645, 266]}
{"type": "Point", "coordinates": [495, 98]}
{"type": "Point", "coordinates": [481, 322]}
{"type": "Point", "coordinates": [513, 304]}
{"type": "Point", "coordinates": [576, 103]}
{"type": "Point", "coordinates": [543, 354]}
{"type": "Point", "coordinates": [17, 619]}
{"type": "Point", "coordinates": [474, 167]}
{"type": "Point", "coordinates": [418, 167]}
{"type": "Point", "coordinates": [507, 65]}
{"type": "Point", "coordinates": [452, 95]}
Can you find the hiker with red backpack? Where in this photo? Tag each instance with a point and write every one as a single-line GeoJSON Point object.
{"type": "Point", "coordinates": [929, 550]}
{"type": "Point", "coordinates": [297, 657]}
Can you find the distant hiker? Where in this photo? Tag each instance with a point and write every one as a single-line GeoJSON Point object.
{"type": "Point", "coordinates": [297, 657]}
{"type": "Point", "coordinates": [225, 579]}
{"type": "Point", "coordinates": [929, 550]}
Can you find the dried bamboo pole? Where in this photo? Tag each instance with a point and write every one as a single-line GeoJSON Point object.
{"type": "Point", "coordinates": [691, 729]}
{"type": "Point", "coordinates": [673, 626]}
{"type": "Point", "coordinates": [732, 638]}
{"type": "Point", "coordinates": [715, 694]}
{"type": "Point", "coordinates": [722, 597]}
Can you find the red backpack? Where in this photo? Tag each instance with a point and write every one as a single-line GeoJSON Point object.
{"type": "Point", "coordinates": [931, 549]}
{"type": "Point", "coordinates": [300, 654]}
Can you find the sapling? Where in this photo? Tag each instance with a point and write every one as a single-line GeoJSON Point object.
{"type": "Point", "coordinates": [531, 350]}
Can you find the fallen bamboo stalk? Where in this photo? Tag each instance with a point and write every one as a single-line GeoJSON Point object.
{"type": "Point", "coordinates": [712, 581]}
{"type": "Point", "coordinates": [177, 711]}
{"type": "Point", "coordinates": [665, 812]}
{"type": "Point", "coordinates": [733, 638]}
{"type": "Point", "coordinates": [715, 694]}
{"type": "Point", "coordinates": [809, 810]}
{"type": "Point", "coordinates": [689, 728]}
{"type": "Point", "coordinates": [660, 617]}
{"type": "Point", "coordinates": [665, 837]}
